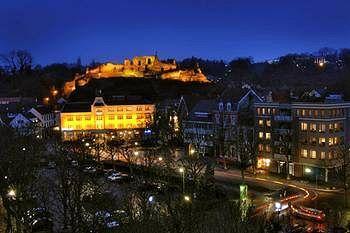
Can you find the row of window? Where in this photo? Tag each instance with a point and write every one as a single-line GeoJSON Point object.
{"type": "Point", "coordinates": [317, 113]}
{"type": "Point", "coordinates": [109, 126]}
{"type": "Point", "coordinates": [265, 111]}
{"type": "Point", "coordinates": [262, 122]}
{"type": "Point", "coordinates": [110, 117]}
{"type": "Point", "coordinates": [263, 135]}
{"type": "Point", "coordinates": [320, 127]}
{"type": "Point", "coordinates": [314, 154]}
{"type": "Point", "coordinates": [266, 148]}
{"type": "Point", "coordinates": [322, 141]}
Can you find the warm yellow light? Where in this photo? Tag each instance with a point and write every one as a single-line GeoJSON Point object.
{"type": "Point", "coordinates": [187, 198]}
{"type": "Point", "coordinates": [192, 151]}
{"type": "Point", "coordinates": [308, 170]}
{"type": "Point", "coordinates": [160, 159]}
{"type": "Point", "coordinates": [11, 193]}
{"type": "Point", "coordinates": [136, 153]}
{"type": "Point", "coordinates": [181, 170]}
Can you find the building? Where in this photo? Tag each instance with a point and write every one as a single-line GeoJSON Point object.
{"type": "Point", "coordinates": [138, 67]}
{"type": "Point", "coordinates": [105, 114]}
{"type": "Point", "coordinates": [299, 138]}
{"type": "Point", "coordinates": [214, 123]}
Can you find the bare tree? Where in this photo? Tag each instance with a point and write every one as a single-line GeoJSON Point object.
{"type": "Point", "coordinates": [17, 61]}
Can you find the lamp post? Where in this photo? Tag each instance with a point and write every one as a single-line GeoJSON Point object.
{"type": "Point", "coordinates": [182, 171]}
{"type": "Point", "coordinates": [278, 207]}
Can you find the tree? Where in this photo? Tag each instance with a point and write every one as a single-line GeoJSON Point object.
{"type": "Point", "coordinates": [17, 62]}
{"type": "Point", "coordinates": [343, 155]}
{"type": "Point", "coordinates": [246, 149]}
{"type": "Point", "coordinates": [19, 163]}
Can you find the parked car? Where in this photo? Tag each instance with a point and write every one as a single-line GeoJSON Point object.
{"type": "Point", "coordinates": [38, 220]}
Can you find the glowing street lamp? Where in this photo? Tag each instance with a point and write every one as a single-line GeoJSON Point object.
{"type": "Point", "coordinates": [192, 151]}
{"type": "Point", "coordinates": [87, 144]}
{"type": "Point", "coordinates": [308, 170]}
{"type": "Point", "coordinates": [11, 194]}
{"type": "Point", "coordinates": [187, 198]}
{"type": "Point", "coordinates": [160, 159]}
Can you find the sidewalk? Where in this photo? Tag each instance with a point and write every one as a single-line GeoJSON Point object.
{"type": "Point", "coordinates": [303, 184]}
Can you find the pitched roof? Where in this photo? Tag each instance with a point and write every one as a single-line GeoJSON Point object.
{"type": "Point", "coordinates": [202, 111]}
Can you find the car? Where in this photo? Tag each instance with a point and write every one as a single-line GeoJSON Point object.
{"type": "Point", "coordinates": [89, 169]}
{"type": "Point", "coordinates": [115, 176]}
{"type": "Point", "coordinates": [38, 220]}
{"type": "Point", "coordinates": [106, 219]}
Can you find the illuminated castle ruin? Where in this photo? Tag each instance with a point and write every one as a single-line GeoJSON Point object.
{"type": "Point", "coordinates": [138, 67]}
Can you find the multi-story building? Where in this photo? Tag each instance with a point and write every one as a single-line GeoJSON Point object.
{"type": "Point", "coordinates": [302, 138]}
{"type": "Point", "coordinates": [105, 114]}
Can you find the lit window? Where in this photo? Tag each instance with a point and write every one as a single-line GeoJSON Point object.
{"type": "Point", "coordinates": [336, 140]}
{"type": "Point", "coordinates": [70, 118]}
{"type": "Point", "coordinates": [120, 117]}
{"type": "Point", "coordinates": [323, 155]}
{"type": "Point", "coordinates": [261, 147]}
{"type": "Point", "coordinates": [111, 117]}
{"type": "Point", "coordinates": [268, 123]}
{"type": "Point", "coordinates": [119, 109]}
{"type": "Point", "coordinates": [139, 108]}
{"type": "Point", "coordinates": [331, 141]}
{"type": "Point", "coordinates": [322, 128]}
{"type": "Point", "coordinates": [313, 154]}
{"type": "Point", "coordinates": [303, 112]}
{"type": "Point", "coordinates": [87, 118]}
{"type": "Point", "coordinates": [128, 116]}
{"type": "Point", "coordinates": [78, 118]}
{"type": "Point", "coordinates": [268, 135]}
{"type": "Point", "coordinates": [98, 118]}
{"type": "Point", "coordinates": [304, 153]}
{"type": "Point", "coordinates": [261, 135]}
{"type": "Point", "coordinates": [303, 126]}
{"type": "Point", "coordinates": [336, 126]}
{"type": "Point", "coordinates": [263, 111]}
{"type": "Point", "coordinates": [313, 127]}
{"type": "Point", "coordinates": [268, 148]}
{"type": "Point", "coordinates": [330, 126]}
{"type": "Point", "coordinates": [322, 141]}
{"type": "Point", "coordinates": [261, 122]}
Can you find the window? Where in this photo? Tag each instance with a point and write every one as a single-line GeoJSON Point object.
{"type": "Point", "coordinates": [323, 155]}
{"type": "Point", "coordinates": [78, 118]}
{"type": "Point", "coordinates": [303, 126]}
{"type": "Point", "coordinates": [139, 116]}
{"type": "Point", "coordinates": [313, 141]}
{"type": "Point", "coordinates": [261, 147]}
{"type": "Point", "coordinates": [261, 135]}
{"type": "Point", "coordinates": [313, 127]}
{"type": "Point", "coordinates": [263, 111]}
{"type": "Point", "coordinates": [87, 118]}
{"type": "Point", "coordinates": [268, 135]}
{"type": "Point", "coordinates": [330, 126]}
{"type": "Point", "coordinates": [304, 153]}
{"type": "Point", "coordinates": [322, 141]}
{"type": "Point", "coordinates": [330, 141]}
{"type": "Point", "coordinates": [111, 117]}
{"type": "Point", "coordinates": [258, 111]}
{"type": "Point", "coordinates": [303, 112]}
{"type": "Point", "coordinates": [336, 140]}
{"type": "Point", "coordinates": [268, 148]}
{"type": "Point", "coordinates": [119, 109]}
{"type": "Point", "coordinates": [129, 117]}
{"type": "Point", "coordinates": [268, 123]}
{"type": "Point", "coordinates": [99, 118]}
{"type": "Point", "coordinates": [120, 117]}
{"type": "Point", "coordinates": [322, 128]}
{"type": "Point", "coordinates": [147, 108]}
{"type": "Point", "coordinates": [70, 118]}
{"type": "Point", "coordinates": [313, 154]}
{"type": "Point", "coordinates": [261, 122]}
{"type": "Point", "coordinates": [139, 108]}
{"type": "Point", "coordinates": [336, 126]}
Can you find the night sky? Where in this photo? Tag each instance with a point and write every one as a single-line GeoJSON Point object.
{"type": "Point", "coordinates": [63, 30]}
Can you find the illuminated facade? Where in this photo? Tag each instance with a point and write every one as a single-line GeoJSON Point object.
{"type": "Point", "coordinates": [101, 116]}
{"type": "Point", "coordinates": [138, 67]}
{"type": "Point", "coordinates": [298, 136]}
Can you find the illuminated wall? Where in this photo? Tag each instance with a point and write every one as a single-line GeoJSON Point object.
{"type": "Point", "coordinates": [109, 117]}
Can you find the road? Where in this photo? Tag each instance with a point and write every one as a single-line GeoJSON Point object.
{"type": "Point", "coordinates": [305, 194]}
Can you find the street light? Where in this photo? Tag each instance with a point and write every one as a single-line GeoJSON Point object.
{"type": "Point", "coordinates": [87, 144]}
{"type": "Point", "coordinates": [11, 194]}
{"type": "Point", "coordinates": [309, 171]}
{"type": "Point", "coordinates": [182, 171]}
{"type": "Point", "coordinates": [187, 198]}
{"type": "Point", "coordinates": [192, 151]}
{"type": "Point", "coordinates": [160, 159]}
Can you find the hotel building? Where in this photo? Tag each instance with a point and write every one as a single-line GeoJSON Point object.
{"type": "Point", "coordinates": [103, 115]}
{"type": "Point", "coordinates": [302, 138]}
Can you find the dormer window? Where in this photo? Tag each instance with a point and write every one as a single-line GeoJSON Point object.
{"type": "Point", "coordinates": [221, 106]}
{"type": "Point", "coordinates": [229, 107]}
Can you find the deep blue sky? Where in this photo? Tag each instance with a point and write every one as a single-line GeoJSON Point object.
{"type": "Point", "coordinates": [62, 30]}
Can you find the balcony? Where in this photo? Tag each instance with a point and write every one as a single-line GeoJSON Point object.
{"type": "Point", "coordinates": [282, 118]}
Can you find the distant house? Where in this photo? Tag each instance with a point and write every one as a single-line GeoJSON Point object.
{"type": "Point", "coordinates": [214, 122]}
{"type": "Point", "coordinates": [24, 122]}
{"type": "Point", "coordinates": [45, 115]}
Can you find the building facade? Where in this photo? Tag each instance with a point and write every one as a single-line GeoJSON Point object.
{"type": "Point", "coordinates": [300, 138]}
{"type": "Point", "coordinates": [119, 113]}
